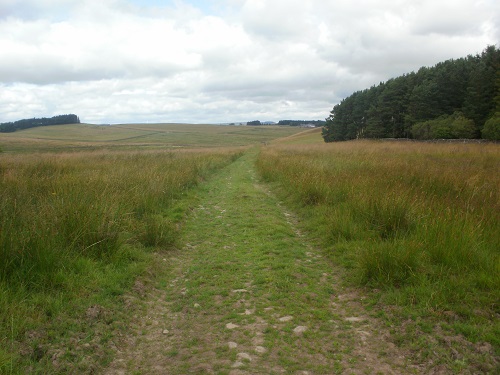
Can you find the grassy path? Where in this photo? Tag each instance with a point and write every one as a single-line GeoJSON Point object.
{"type": "Point", "coordinates": [248, 295]}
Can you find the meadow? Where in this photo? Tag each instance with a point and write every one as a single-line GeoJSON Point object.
{"type": "Point", "coordinates": [415, 223]}
{"type": "Point", "coordinates": [83, 210]}
{"type": "Point", "coordinates": [87, 210]}
{"type": "Point", "coordinates": [78, 228]}
{"type": "Point", "coordinates": [130, 137]}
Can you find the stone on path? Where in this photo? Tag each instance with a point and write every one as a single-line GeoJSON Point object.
{"type": "Point", "coordinates": [260, 349]}
{"type": "Point", "coordinates": [299, 329]}
{"type": "Point", "coordinates": [232, 345]}
{"type": "Point", "coordinates": [286, 318]}
{"type": "Point", "coordinates": [231, 326]}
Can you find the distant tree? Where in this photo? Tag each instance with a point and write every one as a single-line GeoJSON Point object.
{"type": "Point", "coordinates": [301, 122]}
{"type": "Point", "coordinates": [483, 86]}
{"type": "Point", "coordinates": [422, 130]}
{"type": "Point", "coordinates": [491, 129]}
{"type": "Point", "coordinates": [455, 126]}
{"type": "Point", "coordinates": [9, 127]}
{"type": "Point", "coordinates": [254, 123]}
{"type": "Point", "coordinates": [335, 128]}
{"type": "Point", "coordinates": [461, 127]}
{"type": "Point", "coordinates": [423, 101]}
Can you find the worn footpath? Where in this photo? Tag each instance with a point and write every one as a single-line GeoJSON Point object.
{"type": "Point", "coordinates": [247, 294]}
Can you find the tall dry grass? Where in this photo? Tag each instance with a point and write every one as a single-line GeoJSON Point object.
{"type": "Point", "coordinates": [77, 223]}
{"type": "Point", "coordinates": [88, 204]}
{"type": "Point", "coordinates": [419, 220]}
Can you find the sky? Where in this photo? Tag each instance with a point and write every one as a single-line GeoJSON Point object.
{"type": "Point", "coordinates": [221, 61]}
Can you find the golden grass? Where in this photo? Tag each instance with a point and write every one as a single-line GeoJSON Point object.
{"type": "Point", "coordinates": [304, 137]}
{"type": "Point", "coordinates": [138, 136]}
{"type": "Point", "coordinates": [422, 218]}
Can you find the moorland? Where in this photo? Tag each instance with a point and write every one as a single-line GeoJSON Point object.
{"type": "Point", "coordinates": [199, 237]}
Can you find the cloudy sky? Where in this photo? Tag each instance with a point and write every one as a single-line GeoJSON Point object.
{"type": "Point", "coordinates": [207, 61]}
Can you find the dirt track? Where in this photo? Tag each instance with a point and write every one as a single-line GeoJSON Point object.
{"type": "Point", "coordinates": [247, 294]}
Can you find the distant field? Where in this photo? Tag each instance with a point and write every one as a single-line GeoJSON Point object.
{"type": "Point", "coordinates": [143, 136]}
{"type": "Point", "coordinates": [305, 137]}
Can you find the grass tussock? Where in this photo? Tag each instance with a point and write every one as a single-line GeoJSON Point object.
{"type": "Point", "coordinates": [420, 221]}
{"type": "Point", "coordinates": [74, 226]}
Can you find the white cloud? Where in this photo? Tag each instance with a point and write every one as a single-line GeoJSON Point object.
{"type": "Point", "coordinates": [220, 60]}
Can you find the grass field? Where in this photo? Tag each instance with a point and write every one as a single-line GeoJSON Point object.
{"type": "Point", "coordinates": [83, 207]}
{"type": "Point", "coordinates": [138, 136]}
{"type": "Point", "coordinates": [76, 229]}
{"type": "Point", "coordinates": [85, 210]}
{"type": "Point", "coordinates": [305, 137]}
{"type": "Point", "coordinates": [417, 222]}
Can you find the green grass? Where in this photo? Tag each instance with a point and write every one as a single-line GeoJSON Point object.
{"type": "Point", "coordinates": [75, 231]}
{"type": "Point", "coordinates": [418, 221]}
{"type": "Point", "coordinates": [243, 255]}
{"type": "Point", "coordinates": [415, 223]}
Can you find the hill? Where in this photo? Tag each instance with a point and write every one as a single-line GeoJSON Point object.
{"type": "Point", "coordinates": [9, 127]}
{"type": "Point", "coordinates": [138, 136]}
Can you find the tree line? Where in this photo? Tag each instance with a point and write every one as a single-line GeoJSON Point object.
{"type": "Point", "coordinates": [317, 123]}
{"type": "Point", "coordinates": [301, 122]}
{"type": "Point", "coordinates": [254, 123]}
{"type": "Point", "coordinates": [9, 127]}
{"type": "Point", "coordinates": [457, 98]}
